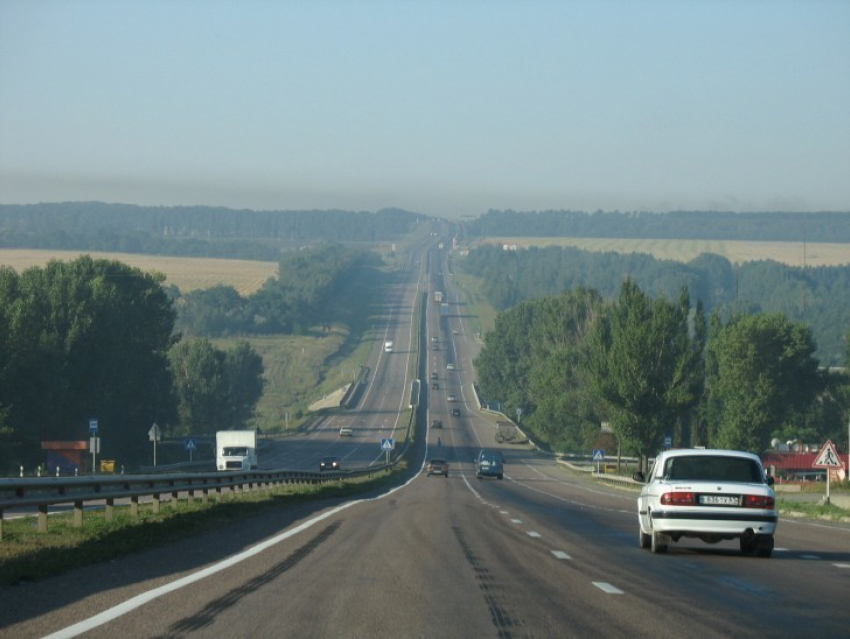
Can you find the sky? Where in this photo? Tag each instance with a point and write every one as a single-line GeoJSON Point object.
{"type": "Point", "coordinates": [444, 108]}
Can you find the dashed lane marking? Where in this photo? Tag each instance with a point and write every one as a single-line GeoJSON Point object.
{"type": "Point", "coordinates": [560, 554]}
{"type": "Point", "coordinates": [604, 586]}
{"type": "Point", "coordinates": [532, 533]}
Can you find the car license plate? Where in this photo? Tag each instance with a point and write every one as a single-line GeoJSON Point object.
{"type": "Point", "coordinates": [719, 500]}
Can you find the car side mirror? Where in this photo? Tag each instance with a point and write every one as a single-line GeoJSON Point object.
{"type": "Point", "coordinates": [638, 476]}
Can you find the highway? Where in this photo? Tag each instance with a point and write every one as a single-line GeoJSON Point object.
{"type": "Point", "coordinates": [543, 553]}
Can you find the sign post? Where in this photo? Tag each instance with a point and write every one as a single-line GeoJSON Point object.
{"type": "Point", "coordinates": [387, 444]}
{"type": "Point", "coordinates": [154, 434]}
{"type": "Point", "coordinates": [828, 458]}
{"type": "Point", "coordinates": [94, 444]}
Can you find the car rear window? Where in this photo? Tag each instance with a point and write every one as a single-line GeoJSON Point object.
{"type": "Point", "coordinates": [711, 468]}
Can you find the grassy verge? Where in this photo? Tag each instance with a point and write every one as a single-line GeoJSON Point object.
{"type": "Point", "coordinates": [27, 555]}
{"type": "Point", "coordinates": [813, 510]}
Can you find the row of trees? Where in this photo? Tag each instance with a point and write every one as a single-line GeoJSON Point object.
{"type": "Point", "coordinates": [816, 296]}
{"type": "Point", "coordinates": [95, 339]}
{"type": "Point", "coordinates": [654, 368]}
{"type": "Point", "coordinates": [303, 295]}
{"type": "Point", "coordinates": [192, 230]}
{"type": "Point", "coordinates": [696, 225]}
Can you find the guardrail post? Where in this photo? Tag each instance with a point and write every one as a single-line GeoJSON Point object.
{"type": "Point", "coordinates": [156, 503]}
{"type": "Point", "coordinates": [1, 525]}
{"type": "Point", "coordinates": [78, 514]}
{"type": "Point", "coordinates": [134, 506]}
{"type": "Point", "coordinates": [205, 496]}
{"type": "Point", "coordinates": [109, 513]}
{"type": "Point", "coordinates": [42, 518]}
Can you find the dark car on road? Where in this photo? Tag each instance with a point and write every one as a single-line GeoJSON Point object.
{"type": "Point", "coordinates": [438, 467]}
{"type": "Point", "coordinates": [330, 463]}
{"type": "Point", "coordinates": [455, 412]}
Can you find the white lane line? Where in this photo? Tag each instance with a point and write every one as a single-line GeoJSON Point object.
{"type": "Point", "coordinates": [503, 512]}
{"type": "Point", "coordinates": [809, 557]}
{"type": "Point", "coordinates": [841, 565]}
{"type": "Point", "coordinates": [608, 588]}
{"type": "Point", "coordinates": [532, 533]}
{"type": "Point", "coordinates": [781, 550]}
{"type": "Point", "coordinates": [560, 554]}
{"type": "Point", "coordinates": [516, 521]}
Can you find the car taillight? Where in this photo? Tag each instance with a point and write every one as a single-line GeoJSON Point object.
{"type": "Point", "coordinates": [759, 501]}
{"type": "Point", "coordinates": [678, 499]}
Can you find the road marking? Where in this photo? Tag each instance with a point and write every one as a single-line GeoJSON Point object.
{"type": "Point", "coordinates": [841, 565]}
{"type": "Point", "coordinates": [531, 533]}
{"type": "Point", "coordinates": [503, 512]}
{"type": "Point", "coordinates": [516, 521]}
{"type": "Point", "coordinates": [809, 557]}
{"type": "Point", "coordinates": [560, 554]}
{"type": "Point", "coordinates": [608, 588]}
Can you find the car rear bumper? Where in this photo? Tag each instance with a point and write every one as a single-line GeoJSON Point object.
{"type": "Point", "coordinates": [713, 522]}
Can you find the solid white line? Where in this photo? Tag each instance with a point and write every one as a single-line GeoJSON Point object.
{"type": "Point", "coordinates": [516, 521]}
{"type": "Point", "coordinates": [560, 554]}
{"type": "Point", "coordinates": [809, 557]}
{"type": "Point", "coordinates": [841, 565]}
{"type": "Point", "coordinates": [606, 587]}
{"type": "Point", "coordinates": [532, 533]}
{"type": "Point", "coordinates": [139, 600]}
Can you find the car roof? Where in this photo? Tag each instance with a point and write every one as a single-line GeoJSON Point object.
{"type": "Point", "coordinates": [707, 452]}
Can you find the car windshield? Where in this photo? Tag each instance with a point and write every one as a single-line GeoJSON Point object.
{"type": "Point", "coordinates": [713, 468]}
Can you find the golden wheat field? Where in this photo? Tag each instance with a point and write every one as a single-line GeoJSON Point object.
{"type": "Point", "coordinates": [187, 273]}
{"type": "Point", "coordinates": [790, 253]}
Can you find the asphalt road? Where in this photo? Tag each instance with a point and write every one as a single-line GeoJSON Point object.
{"type": "Point", "coordinates": [542, 553]}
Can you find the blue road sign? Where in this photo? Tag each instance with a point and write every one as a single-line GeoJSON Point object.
{"type": "Point", "coordinates": [92, 427]}
{"type": "Point", "coordinates": [387, 443]}
{"type": "Point", "coordinates": [598, 455]}
{"type": "Point", "coordinates": [191, 444]}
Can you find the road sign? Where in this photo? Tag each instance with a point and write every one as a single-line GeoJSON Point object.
{"type": "Point", "coordinates": [387, 443]}
{"type": "Point", "coordinates": [154, 434]}
{"type": "Point", "coordinates": [191, 444]}
{"type": "Point", "coordinates": [828, 457]}
{"type": "Point", "coordinates": [598, 455]}
{"type": "Point", "coordinates": [92, 427]}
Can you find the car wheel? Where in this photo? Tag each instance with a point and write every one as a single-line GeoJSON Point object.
{"type": "Point", "coordinates": [644, 540]}
{"type": "Point", "coordinates": [764, 546]}
{"type": "Point", "coordinates": [500, 476]}
{"type": "Point", "coordinates": [749, 544]}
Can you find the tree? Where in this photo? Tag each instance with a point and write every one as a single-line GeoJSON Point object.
{"type": "Point", "coordinates": [645, 365]}
{"type": "Point", "coordinates": [764, 371]}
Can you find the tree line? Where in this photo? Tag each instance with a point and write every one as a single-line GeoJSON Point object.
{"type": "Point", "coordinates": [303, 295]}
{"type": "Point", "coordinates": [95, 339]}
{"type": "Point", "coordinates": [192, 231]}
{"type": "Point", "coordinates": [658, 368]}
{"type": "Point", "coordinates": [682, 225]}
{"type": "Point", "coordinates": [817, 296]}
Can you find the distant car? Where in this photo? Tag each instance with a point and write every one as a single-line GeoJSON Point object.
{"type": "Point", "coordinates": [451, 398]}
{"type": "Point", "coordinates": [329, 463]}
{"type": "Point", "coordinates": [435, 385]}
{"type": "Point", "coordinates": [436, 423]}
{"type": "Point", "coordinates": [450, 367]}
{"type": "Point", "coordinates": [489, 463]}
{"type": "Point", "coordinates": [435, 346]}
{"type": "Point", "coordinates": [455, 412]}
{"type": "Point", "coordinates": [455, 331]}
{"type": "Point", "coordinates": [434, 375]}
{"type": "Point", "coordinates": [712, 495]}
{"type": "Point", "coordinates": [433, 338]}
{"type": "Point", "coordinates": [438, 467]}
{"type": "Point", "coordinates": [346, 431]}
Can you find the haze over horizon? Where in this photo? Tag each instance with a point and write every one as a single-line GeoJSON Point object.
{"type": "Point", "coordinates": [441, 108]}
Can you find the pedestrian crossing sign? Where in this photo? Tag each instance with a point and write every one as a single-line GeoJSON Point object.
{"type": "Point", "coordinates": [828, 457]}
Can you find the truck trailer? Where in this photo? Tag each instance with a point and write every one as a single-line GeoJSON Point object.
{"type": "Point", "coordinates": [236, 450]}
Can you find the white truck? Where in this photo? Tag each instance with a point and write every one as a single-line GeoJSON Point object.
{"type": "Point", "coordinates": [236, 449]}
{"type": "Point", "coordinates": [388, 346]}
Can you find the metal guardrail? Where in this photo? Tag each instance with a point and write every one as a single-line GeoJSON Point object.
{"type": "Point", "coordinates": [78, 491]}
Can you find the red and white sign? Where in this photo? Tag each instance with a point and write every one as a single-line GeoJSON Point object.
{"type": "Point", "coordinates": [828, 457]}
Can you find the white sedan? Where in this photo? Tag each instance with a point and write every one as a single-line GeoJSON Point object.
{"type": "Point", "coordinates": [711, 495]}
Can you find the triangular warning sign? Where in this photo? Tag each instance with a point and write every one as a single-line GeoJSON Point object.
{"type": "Point", "coordinates": [828, 457]}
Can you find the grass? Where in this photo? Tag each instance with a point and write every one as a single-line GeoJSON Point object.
{"type": "Point", "coordinates": [790, 253]}
{"type": "Point", "coordinates": [27, 555]}
{"type": "Point", "coordinates": [813, 510]}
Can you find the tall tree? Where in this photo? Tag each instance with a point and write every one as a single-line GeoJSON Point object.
{"type": "Point", "coordinates": [646, 366]}
{"type": "Point", "coordinates": [764, 371]}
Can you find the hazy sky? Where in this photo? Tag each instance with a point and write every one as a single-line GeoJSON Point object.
{"type": "Point", "coordinates": [440, 107]}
